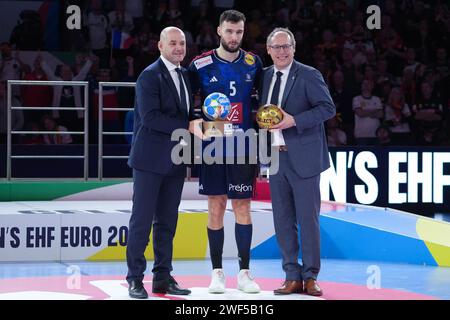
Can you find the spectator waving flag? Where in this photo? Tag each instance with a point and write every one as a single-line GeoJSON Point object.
{"type": "Point", "coordinates": [121, 40]}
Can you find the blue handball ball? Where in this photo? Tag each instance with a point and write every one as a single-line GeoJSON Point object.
{"type": "Point", "coordinates": [216, 106]}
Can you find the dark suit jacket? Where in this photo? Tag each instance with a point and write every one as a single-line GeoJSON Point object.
{"type": "Point", "coordinates": [157, 113]}
{"type": "Point", "coordinates": [307, 99]}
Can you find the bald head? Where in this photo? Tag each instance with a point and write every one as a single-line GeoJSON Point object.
{"type": "Point", "coordinates": [172, 44]}
{"type": "Point", "coordinates": [169, 30]}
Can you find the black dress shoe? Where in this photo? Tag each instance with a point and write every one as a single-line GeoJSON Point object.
{"type": "Point", "coordinates": [169, 286]}
{"type": "Point", "coordinates": [136, 290]}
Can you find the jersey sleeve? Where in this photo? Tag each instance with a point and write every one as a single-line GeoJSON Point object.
{"type": "Point", "coordinates": [194, 78]}
{"type": "Point", "coordinates": [259, 69]}
{"type": "Point", "coordinates": [257, 85]}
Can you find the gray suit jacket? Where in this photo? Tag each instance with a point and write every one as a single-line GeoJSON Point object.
{"type": "Point", "coordinates": [307, 99]}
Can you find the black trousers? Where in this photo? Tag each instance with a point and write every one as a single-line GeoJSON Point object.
{"type": "Point", "coordinates": [156, 199]}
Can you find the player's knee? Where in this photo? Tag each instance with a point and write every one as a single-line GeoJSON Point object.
{"type": "Point", "coordinates": [217, 203]}
{"type": "Point", "coordinates": [216, 214]}
{"type": "Point", "coordinates": [242, 211]}
{"type": "Point", "coordinates": [241, 206]}
{"type": "Point", "coordinates": [217, 206]}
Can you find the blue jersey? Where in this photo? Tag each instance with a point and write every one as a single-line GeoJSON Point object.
{"type": "Point", "coordinates": [237, 80]}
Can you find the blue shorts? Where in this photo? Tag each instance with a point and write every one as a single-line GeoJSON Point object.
{"type": "Point", "coordinates": [237, 181]}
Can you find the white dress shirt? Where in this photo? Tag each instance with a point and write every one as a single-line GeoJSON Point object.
{"type": "Point", "coordinates": [277, 136]}
{"type": "Point", "coordinates": [173, 73]}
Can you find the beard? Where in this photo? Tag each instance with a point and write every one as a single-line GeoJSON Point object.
{"type": "Point", "coordinates": [227, 48]}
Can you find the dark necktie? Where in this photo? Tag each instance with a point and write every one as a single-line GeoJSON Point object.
{"type": "Point", "coordinates": [184, 106]}
{"type": "Point", "coordinates": [276, 89]}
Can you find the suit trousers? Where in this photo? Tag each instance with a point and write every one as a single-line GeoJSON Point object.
{"type": "Point", "coordinates": [296, 201]}
{"type": "Point", "coordinates": [156, 199]}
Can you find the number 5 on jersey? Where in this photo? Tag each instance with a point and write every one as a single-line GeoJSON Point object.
{"type": "Point", "coordinates": [232, 88]}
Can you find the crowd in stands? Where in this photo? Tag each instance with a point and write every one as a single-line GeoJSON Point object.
{"type": "Point", "coordinates": [390, 86]}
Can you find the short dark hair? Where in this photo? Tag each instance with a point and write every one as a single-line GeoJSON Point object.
{"type": "Point", "coordinates": [231, 16]}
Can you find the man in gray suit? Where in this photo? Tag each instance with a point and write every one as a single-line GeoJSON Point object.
{"type": "Point", "coordinates": [303, 97]}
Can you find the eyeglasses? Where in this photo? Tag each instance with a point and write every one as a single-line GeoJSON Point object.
{"type": "Point", "coordinates": [279, 47]}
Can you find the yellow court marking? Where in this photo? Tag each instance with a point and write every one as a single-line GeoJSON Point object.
{"type": "Point", "coordinates": [436, 236]}
{"type": "Point", "coordinates": [190, 242]}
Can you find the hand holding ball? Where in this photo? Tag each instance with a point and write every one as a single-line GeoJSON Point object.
{"type": "Point", "coordinates": [268, 116]}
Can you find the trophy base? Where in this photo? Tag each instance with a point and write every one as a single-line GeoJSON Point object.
{"type": "Point", "coordinates": [217, 129]}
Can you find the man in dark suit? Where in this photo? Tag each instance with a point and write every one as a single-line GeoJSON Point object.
{"type": "Point", "coordinates": [163, 104]}
{"type": "Point", "coordinates": [303, 97]}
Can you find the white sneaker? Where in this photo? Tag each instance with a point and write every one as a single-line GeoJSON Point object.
{"type": "Point", "coordinates": [246, 282]}
{"type": "Point", "coordinates": [217, 281]}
